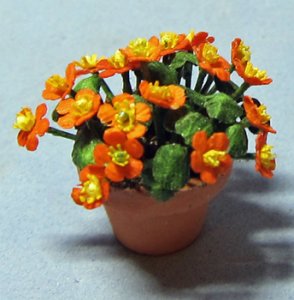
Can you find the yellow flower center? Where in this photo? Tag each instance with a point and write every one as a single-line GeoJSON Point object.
{"type": "Point", "coordinates": [91, 190]}
{"type": "Point", "coordinates": [265, 117]}
{"type": "Point", "coordinates": [88, 62]}
{"type": "Point", "coordinates": [118, 60]}
{"type": "Point", "coordinates": [244, 52]}
{"type": "Point", "coordinates": [119, 156]}
{"type": "Point", "coordinates": [25, 120]}
{"type": "Point", "coordinates": [213, 158]}
{"type": "Point", "coordinates": [125, 116]}
{"type": "Point", "coordinates": [57, 82]}
{"type": "Point", "coordinates": [190, 36]}
{"type": "Point", "coordinates": [169, 40]}
{"type": "Point", "coordinates": [252, 71]}
{"type": "Point", "coordinates": [209, 53]}
{"type": "Point", "coordinates": [141, 47]}
{"type": "Point", "coordinates": [162, 92]}
{"type": "Point", "coordinates": [267, 157]}
{"type": "Point", "coordinates": [82, 105]}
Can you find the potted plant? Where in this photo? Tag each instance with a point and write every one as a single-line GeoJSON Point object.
{"type": "Point", "coordinates": [155, 153]}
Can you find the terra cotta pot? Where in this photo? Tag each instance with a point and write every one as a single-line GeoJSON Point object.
{"type": "Point", "coordinates": [147, 226]}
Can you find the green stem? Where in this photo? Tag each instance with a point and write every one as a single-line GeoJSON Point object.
{"type": "Point", "coordinates": [127, 88]}
{"type": "Point", "coordinates": [107, 90]}
{"type": "Point", "coordinates": [232, 69]}
{"type": "Point", "coordinates": [247, 156]}
{"type": "Point", "coordinates": [240, 91]}
{"type": "Point", "coordinates": [207, 84]}
{"type": "Point", "coordinates": [188, 74]}
{"type": "Point", "coordinates": [61, 133]}
{"type": "Point", "coordinates": [157, 123]}
{"type": "Point", "coordinates": [139, 77]}
{"type": "Point", "coordinates": [200, 80]}
{"type": "Point", "coordinates": [212, 90]}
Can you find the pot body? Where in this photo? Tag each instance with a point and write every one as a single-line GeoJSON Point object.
{"type": "Point", "coordinates": [147, 226]}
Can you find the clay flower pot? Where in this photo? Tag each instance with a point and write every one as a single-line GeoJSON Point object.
{"type": "Point", "coordinates": [147, 226]}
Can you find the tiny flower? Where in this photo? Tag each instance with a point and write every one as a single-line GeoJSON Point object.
{"type": "Point", "coordinates": [142, 50]}
{"type": "Point", "coordinates": [170, 42]}
{"type": "Point", "coordinates": [30, 126]}
{"type": "Point", "coordinates": [166, 96]}
{"type": "Point", "coordinates": [241, 59]}
{"type": "Point", "coordinates": [240, 53]}
{"type": "Point", "coordinates": [212, 62]}
{"type": "Point", "coordinates": [210, 157]}
{"type": "Point", "coordinates": [265, 162]}
{"type": "Point", "coordinates": [116, 64]}
{"type": "Point", "coordinates": [257, 115]}
{"type": "Point", "coordinates": [119, 156]}
{"type": "Point", "coordinates": [126, 115]}
{"type": "Point", "coordinates": [254, 76]}
{"type": "Point", "coordinates": [199, 38]}
{"type": "Point", "coordinates": [94, 188]}
{"type": "Point", "coordinates": [57, 87]}
{"type": "Point", "coordinates": [75, 112]}
{"type": "Point", "coordinates": [88, 64]}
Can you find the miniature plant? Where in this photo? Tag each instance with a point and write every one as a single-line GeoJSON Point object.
{"type": "Point", "coordinates": [179, 116]}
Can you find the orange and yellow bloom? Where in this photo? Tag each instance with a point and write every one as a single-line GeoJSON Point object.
{"type": "Point", "coordinates": [257, 115]}
{"type": "Point", "coordinates": [171, 42]}
{"type": "Point", "coordinates": [241, 59]}
{"type": "Point", "coordinates": [116, 64]}
{"type": "Point", "coordinates": [30, 126]}
{"type": "Point", "coordinates": [212, 62]}
{"type": "Point", "coordinates": [142, 50]}
{"type": "Point", "coordinates": [58, 87]}
{"type": "Point", "coordinates": [88, 64]}
{"type": "Point", "coordinates": [166, 96]}
{"type": "Point", "coordinates": [265, 162]}
{"type": "Point", "coordinates": [94, 188]}
{"type": "Point", "coordinates": [75, 112]}
{"type": "Point", "coordinates": [126, 115]}
{"type": "Point", "coordinates": [210, 157]}
{"type": "Point", "coordinates": [119, 156]}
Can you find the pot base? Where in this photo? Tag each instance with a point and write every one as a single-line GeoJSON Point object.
{"type": "Point", "coordinates": [147, 226]}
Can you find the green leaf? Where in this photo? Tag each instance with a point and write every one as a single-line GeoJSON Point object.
{"type": "Point", "coordinates": [171, 167]}
{"type": "Point", "coordinates": [160, 194]}
{"type": "Point", "coordinates": [238, 140]}
{"type": "Point", "coordinates": [55, 115]}
{"type": "Point", "coordinates": [191, 123]}
{"type": "Point", "coordinates": [82, 154]}
{"type": "Point", "coordinates": [154, 71]}
{"type": "Point", "coordinates": [181, 58]}
{"type": "Point", "coordinates": [196, 98]}
{"type": "Point", "coordinates": [92, 83]}
{"type": "Point", "coordinates": [223, 108]}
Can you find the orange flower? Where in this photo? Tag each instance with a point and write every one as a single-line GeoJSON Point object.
{"type": "Point", "coordinates": [170, 42]}
{"type": "Point", "coordinates": [212, 62]}
{"type": "Point", "coordinates": [94, 188]}
{"type": "Point", "coordinates": [210, 157]}
{"type": "Point", "coordinates": [126, 115]}
{"type": "Point", "coordinates": [88, 64]}
{"type": "Point", "coordinates": [30, 126]}
{"type": "Point", "coordinates": [116, 64]}
{"type": "Point", "coordinates": [241, 56]}
{"type": "Point", "coordinates": [265, 161]}
{"type": "Point", "coordinates": [142, 50]}
{"type": "Point", "coordinates": [57, 87]}
{"type": "Point", "coordinates": [166, 96]}
{"type": "Point", "coordinates": [200, 38]}
{"type": "Point", "coordinates": [257, 115]}
{"type": "Point", "coordinates": [78, 110]}
{"type": "Point", "coordinates": [119, 156]}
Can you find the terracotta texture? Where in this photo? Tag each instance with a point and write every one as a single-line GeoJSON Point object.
{"type": "Point", "coordinates": [150, 227]}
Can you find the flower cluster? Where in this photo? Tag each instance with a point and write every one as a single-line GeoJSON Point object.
{"type": "Point", "coordinates": [183, 117]}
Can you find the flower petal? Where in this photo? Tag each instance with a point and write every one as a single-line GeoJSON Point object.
{"type": "Point", "coordinates": [101, 155]}
{"type": "Point", "coordinates": [137, 132]}
{"type": "Point", "coordinates": [143, 112]}
{"type": "Point", "coordinates": [114, 137]}
{"type": "Point", "coordinates": [106, 113]}
{"type": "Point", "coordinates": [199, 141]}
{"type": "Point", "coordinates": [134, 148]}
{"type": "Point", "coordinates": [133, 169]}
{"type": "Point", "coordinates": [114, 172]}
{"type": "Point", "coordinates": [218, 141]}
